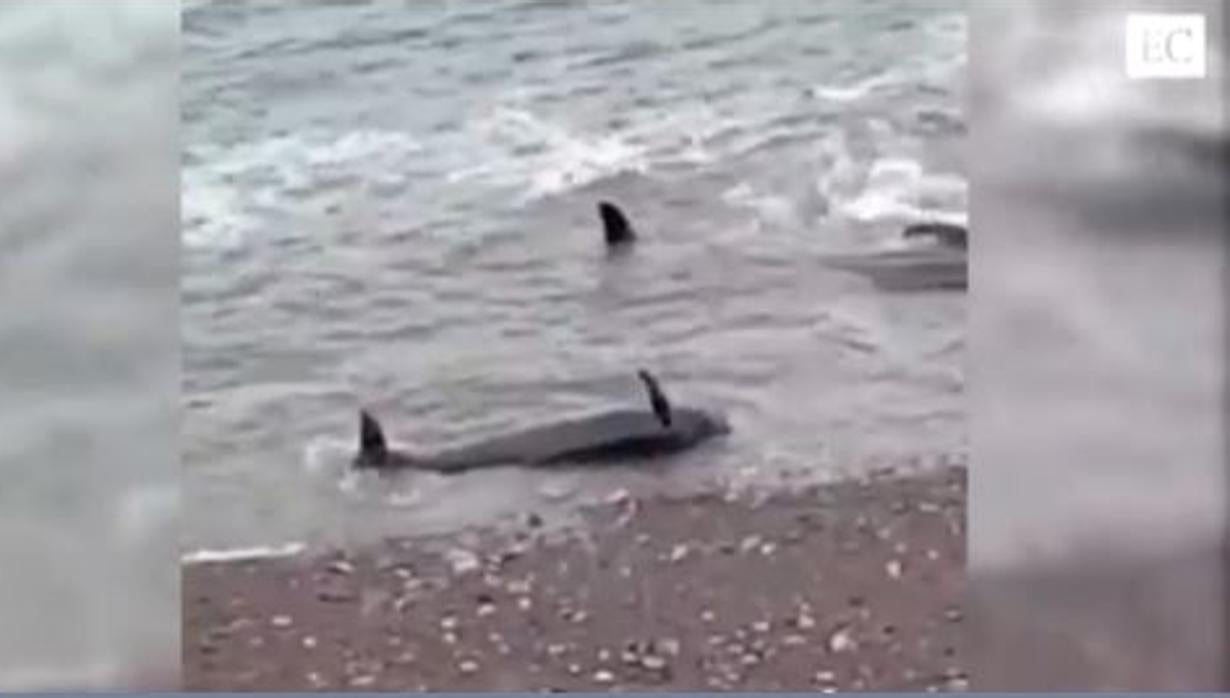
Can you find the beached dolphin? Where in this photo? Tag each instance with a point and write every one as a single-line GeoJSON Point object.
{"type": "Point", "coordinates": [607, 436]}
{"type": "Point", "coordinates": [615, 226]}
{"type": "Point", "coordinates": [946, 234]}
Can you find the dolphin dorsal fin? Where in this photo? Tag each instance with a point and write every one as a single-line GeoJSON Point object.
{"type": "Point", "coordinates": [615, 225]}
{"type": "Point", "coordinates": [372, 446]}
{"type": "Point", "coordinates": [657, 399]}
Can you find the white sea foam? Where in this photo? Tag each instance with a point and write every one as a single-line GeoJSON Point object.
{"type": "Point", "coordinates": [854, 91]}
{"type": "Point", "coordinates": [520, 149]}
{"type": "Point", "coordinates": [230, 191]}
{"type": "Point", "coordinates": [257, 552]}
{"type": "Point", "coordinates": [899, 189]}
{"type": "Point", "coordinates": [326, 455]}
{"type": "Point", "coordinates": [772, 207]}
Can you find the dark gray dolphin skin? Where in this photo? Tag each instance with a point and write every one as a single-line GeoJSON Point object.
{"type": "Point", "coordinates": [615, 226]}
{"type": "Point", "coordinates": [613, 435]}
{"type": "Point", "coordinates": [947, 234]}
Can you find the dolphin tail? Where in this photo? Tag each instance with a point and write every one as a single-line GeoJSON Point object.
{"type": "Point", "coordinates": [373, 449]}
{"type": "Point", "coordinates": [615, 225]}
{"type": "Point", "coordinates": [657, 398]}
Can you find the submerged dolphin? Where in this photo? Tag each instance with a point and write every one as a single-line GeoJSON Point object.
{"type": "Point", "coordinates": [932, 269]}
{"type": "Point", "coordinates": [615, 226]}
{"type": "Point", "coordinates": [608, 436]}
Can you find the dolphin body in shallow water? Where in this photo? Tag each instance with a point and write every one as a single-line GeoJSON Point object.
{"type": "Point", "coordinates": [614, 435]}
{"type": "Point", "coordinates": [947, 234]}
{"type": "Point", "coordinates": [939, 267]}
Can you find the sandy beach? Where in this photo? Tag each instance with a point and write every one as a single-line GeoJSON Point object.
{"type": "Point", "coordinates": [856, 585]}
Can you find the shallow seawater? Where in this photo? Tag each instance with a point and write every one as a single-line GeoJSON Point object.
{"type": "Point", "coordinates": [394, 207]}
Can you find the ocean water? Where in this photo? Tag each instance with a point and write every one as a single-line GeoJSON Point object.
{"type": "Point", "coordinates": [391, 205]}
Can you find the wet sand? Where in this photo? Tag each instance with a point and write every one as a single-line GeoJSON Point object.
{"type": "Point", "coordinates": [856, 585]}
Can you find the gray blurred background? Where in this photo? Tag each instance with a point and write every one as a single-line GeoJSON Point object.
{"type": "Point", "coordinates": [1098, 334]}
{"type": "Point", "coordinates": [89, 365]}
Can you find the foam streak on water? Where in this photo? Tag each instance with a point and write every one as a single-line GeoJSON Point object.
{"type": "Point", "coordinates": [257, 552]}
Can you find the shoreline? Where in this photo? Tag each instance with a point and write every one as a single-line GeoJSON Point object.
{"type": "Point", "coordinates": [855, 585]}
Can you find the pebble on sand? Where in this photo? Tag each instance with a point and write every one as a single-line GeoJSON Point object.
{"type": "Point", "coordinates": [467, 666]}
{"type": "Point", "coordinates": [653, 662]}
{"type": "Point", "coordinates": [894, 569]}
{"type": "Point", "coordinates": [340, 567]}
{"type": "Point", "coordinates": [721, 639]}
{"type": "Point", "coordinates": [463, 561]}
{"type": "Point", "coordinates": [841, 641]}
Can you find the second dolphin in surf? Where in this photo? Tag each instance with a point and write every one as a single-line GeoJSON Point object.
{"type": "Point", "coordinates": [942, 266]}
{"type": "Point", "coordinates": [618, 434]}
{"type": "Point", "coordinates": [946, 234]}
